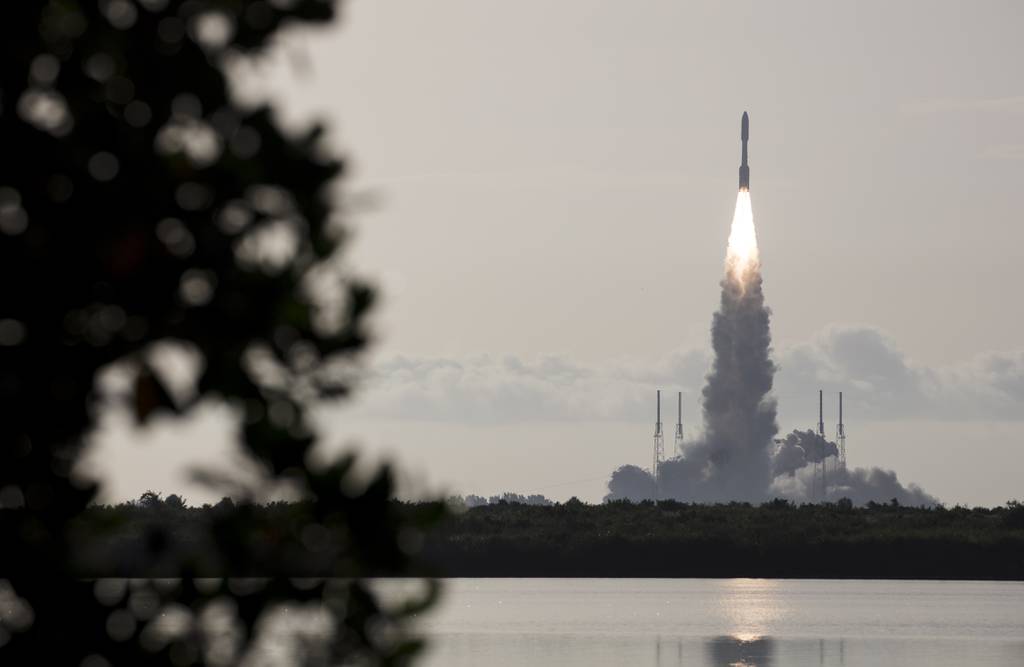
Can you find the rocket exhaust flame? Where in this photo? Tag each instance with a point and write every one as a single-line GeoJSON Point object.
{"type": "Point", "coordinates": [742, 260]}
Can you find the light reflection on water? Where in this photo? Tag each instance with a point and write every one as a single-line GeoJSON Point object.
{"type": "Point", "coordinates": [745, 622]}
{"type": "Point", "coordinates": [752, 606]}
{"type": "Point", "coordinates": [739, 650]}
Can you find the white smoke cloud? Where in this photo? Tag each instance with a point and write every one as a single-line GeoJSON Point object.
{"type": "Point", "coordinates": [488, 389]}
{"type": "Point", "coordinates": [879, 383]}
{"type": "Point", "coordinates": [860, 485]}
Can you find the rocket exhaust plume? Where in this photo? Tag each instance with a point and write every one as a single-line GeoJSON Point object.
{"type": "Point", "coordinates": [742, 260]}
{"type": "Point", "coordinates": [737, 458]}
{"type": "Point", "coordinates": [733, 460]}
{"type": "Point", "coordinates": [739, 412]}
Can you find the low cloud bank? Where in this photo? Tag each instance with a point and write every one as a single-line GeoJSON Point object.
{"type": "Point", "coordinates": [879, 383]}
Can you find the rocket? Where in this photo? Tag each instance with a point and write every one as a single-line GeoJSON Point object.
{"type": "Point", "coordinates": [744, 169]}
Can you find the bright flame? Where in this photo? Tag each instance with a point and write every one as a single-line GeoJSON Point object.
{"type": "Point", "coordinates": [742, 257]}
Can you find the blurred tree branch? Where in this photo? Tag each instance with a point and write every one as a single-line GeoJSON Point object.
{"type": "Point", "coordinates": [138, 205]}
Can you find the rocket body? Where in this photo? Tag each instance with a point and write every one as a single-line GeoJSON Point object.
{"type": "Point", "coordinates": [744, 169]}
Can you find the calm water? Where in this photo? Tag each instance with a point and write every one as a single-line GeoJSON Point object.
{"type": "Point", "coordinates": [652, 622]}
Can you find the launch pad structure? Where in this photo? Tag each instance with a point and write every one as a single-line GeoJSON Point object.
{"type": "Point", "coordinates": [819, 482]}
{"type": "Point", "coordinates": [819, 477]}
{"type": "Point", "coordinates": [679, 427]}
{"type": "Point", "coordinates": [821, 434]}
{"type": "Point", "coordinates": [841, 435]}
{"type": "Point", "coordinates": [659, 450]}
{"type": "Point", "coordinates": [659, 441]}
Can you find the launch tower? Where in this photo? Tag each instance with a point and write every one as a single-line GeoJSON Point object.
{"type": "Point", "coordinates": [679, 427]}
{"type": "Point", "coordinates": [821, 433]}
{"type": "Point", "coordinates": [841, 435]}
{"type": "Point", "coordinates": [659, 449]}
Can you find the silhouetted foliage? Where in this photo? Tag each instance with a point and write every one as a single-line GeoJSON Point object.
{"type": "Point", "coordinates": [619, 538]}
{"type": "Point", "coordinates": [775, 539]}
{"type": "Point", "coordinates": [471, 500]}
{"type": "Point", "coordinates": [1014, 517]}
{"type": "Point", "coordinates": [280, 539]}
{"type": "Point", "coordinates": [139, 210]}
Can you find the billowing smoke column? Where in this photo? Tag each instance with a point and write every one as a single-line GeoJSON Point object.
{"type": "Point", "coordinates": [861, 485]}
{"type": "Point", "coordinates": [737, 458]}
{"type": "Point", "coordinates": [800, 449]}
{"type": "Point", "coordinates": [734, 459]}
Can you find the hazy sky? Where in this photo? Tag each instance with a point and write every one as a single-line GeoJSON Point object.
{"type": "Point", "coordinates": [549, 188]}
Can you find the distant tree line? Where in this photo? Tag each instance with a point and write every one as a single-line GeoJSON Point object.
{"type": "Point", "coordinates": [774, 539]}
{"type": "Point", "coordinates": [157, 536]}
{"type": "Point", "coordinates": [516, 537]}
{"type": "Point", "coordinates": [465, 502]}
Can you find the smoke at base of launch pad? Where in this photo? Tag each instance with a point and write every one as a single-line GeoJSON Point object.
{"type": "Point", "coordinates": [737, 458]}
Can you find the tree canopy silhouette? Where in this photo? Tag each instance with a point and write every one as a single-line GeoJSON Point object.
{"type": "Point", "coordinates": [142, 208]}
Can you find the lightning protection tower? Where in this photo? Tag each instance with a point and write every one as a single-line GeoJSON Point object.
{"type": "Point", "coordinates": [659, 449]}
{"type": "Point", "coordinates": [679, 427]}
{"type": "Point", "coordinates": [821, 432]}
{"type": "Point", "coordinates": [841, 435]}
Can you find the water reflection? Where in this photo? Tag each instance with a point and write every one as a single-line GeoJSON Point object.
{"type": "Point", "coordinates": [752, 607]}
{"type": "Point", "coordinates": [740, 651]}
{"type": "Point", "coordinates": [699, 623]}
{"type": "Point", "coordinates": [749, 650]}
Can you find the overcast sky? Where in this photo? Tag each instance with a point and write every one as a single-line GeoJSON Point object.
{"type": "Point", "coordinates": [546, 190]}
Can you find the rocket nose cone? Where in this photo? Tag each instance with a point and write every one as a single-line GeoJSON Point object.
{"type": "Point", "coordinates": [745, 127]}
